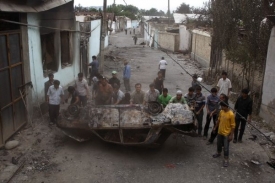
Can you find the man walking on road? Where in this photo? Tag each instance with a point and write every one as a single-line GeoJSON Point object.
{"type": "Point", "coordinates": [224, 85]}
{"type": "Point", "coordinates": [135, 39]}
{"type": "Point", "coordinates": [243, 106]}
{"type": "Point", "coordinates": [81, 86]}
{"type": "Point", "coordinates": [162, 66]}
{"type": "Point", "coordinates": [159, 82]}
{"type": "Point", "coordinates": [212, 105]}
{"type": "Point", "coordinates": [54, 97]}
{"type": "Point", "coordinates": [127, 76]}
{"type": "Point", "coordinates": [137, 97]}
{"type": "Point", "coordinates": [226, 127]}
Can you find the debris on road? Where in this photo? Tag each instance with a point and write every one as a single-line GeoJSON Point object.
{"type": "Point", "coordinates": [170, 166]}
{"type": "Point", "coordinates": [253, 138]}
{"type": "Point", "coordinates": [11, 144]}
{"type": "Point", "coordinates": [255, 162]}
{"type": "Point", "coordinates": [271, 163]}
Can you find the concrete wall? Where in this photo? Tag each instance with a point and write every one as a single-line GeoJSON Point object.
{"type": "Point", "coordinates": [65, 75]}
{"type": "Point", "coordinates": [185, 38]}
{"type": "Point", "coordinates": [201, 47]}
{"type": "Point", "coordinates": [152, 28]}
{"type": "Point", "coordinates": [267, 110]}
{"type": "Point", "coordinates": [169, 41]}
{"type": "Point", "coordinates": [94, 40]}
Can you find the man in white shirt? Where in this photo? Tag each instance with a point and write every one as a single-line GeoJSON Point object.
{"type": "Point", "coordinates": [117, 96]}
{"type": "Point", "coordinates": [162, 66]}
{"type": "Point", "coordinates": [81, 86]}
{"type": "Point", "coordinates": [224, 85]}
{"type": "Point", "coordinates": [54, 97]}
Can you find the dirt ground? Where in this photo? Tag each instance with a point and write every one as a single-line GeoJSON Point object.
{"type": "Point", "coordinates": [46, 155]}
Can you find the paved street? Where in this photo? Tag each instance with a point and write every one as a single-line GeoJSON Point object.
{"type": "Point", "coordinates": [180, 159]}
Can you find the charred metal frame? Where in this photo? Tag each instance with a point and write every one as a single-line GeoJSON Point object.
{"type": "Point", "coordinates": [150, 133]}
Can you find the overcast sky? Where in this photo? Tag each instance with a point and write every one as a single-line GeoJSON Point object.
{"type": "Point", "coordinates": [144, 4]}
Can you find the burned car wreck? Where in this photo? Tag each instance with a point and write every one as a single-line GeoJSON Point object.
{"type": "Point", "coordinates": [128, 124]}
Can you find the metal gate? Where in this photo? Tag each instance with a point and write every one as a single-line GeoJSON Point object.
{"type": "Point", "coordinates": [12, 109]}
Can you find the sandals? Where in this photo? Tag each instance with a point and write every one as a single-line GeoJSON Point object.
{"type": "Point", "coordinates": [216, 155]}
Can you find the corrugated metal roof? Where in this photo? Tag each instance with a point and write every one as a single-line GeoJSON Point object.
{"type": "Point", "coordinates": [95, 15]}
{"type": "Point", "coordinates": [38, 6]}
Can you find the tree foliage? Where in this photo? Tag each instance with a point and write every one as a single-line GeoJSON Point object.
{"type": "Point", "coordinates": [183, 8]}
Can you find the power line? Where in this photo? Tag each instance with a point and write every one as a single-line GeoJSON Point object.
{"type": "Point", "coordinates": [53, 28]}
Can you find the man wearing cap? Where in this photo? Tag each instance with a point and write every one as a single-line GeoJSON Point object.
{"type": "Point", "coordinates": [151, 95]}
{"type": "Point", "coordinates": [114, 80]}
{"type": "Point", "coordinates": [127, 76]}
{"type": "Point", "coordinates": [243, 106]}
{"type": "Point", "coordinates": [162, 66]}
{"type": "Point", "coordinates": [137, 97]}
{"type": "Point", "coordinates": [178, 99]}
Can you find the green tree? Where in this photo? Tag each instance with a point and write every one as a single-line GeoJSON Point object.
{"type": "Point", "coordinates": [183, 8]}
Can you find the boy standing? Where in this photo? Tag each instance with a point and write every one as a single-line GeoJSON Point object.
{"type": "Point", "coordinates": [212, 105]}
{"type": "Point", "coordinates": [226, 127]}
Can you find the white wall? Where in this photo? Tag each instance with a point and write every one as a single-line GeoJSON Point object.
{"type": "Point", "coordinates": [129, 23]}
{"type": "Point", "coordinates": [185, 38]}
{"type": "Point", "coordinates": [65, 75]}
{"type": "Point", "coordinates": [94, 40]}
{"type": "Point", "coordinates": [268, 99]}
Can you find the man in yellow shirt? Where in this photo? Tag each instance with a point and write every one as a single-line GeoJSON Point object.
{"type": "Point", "coordinates": [226, 126]}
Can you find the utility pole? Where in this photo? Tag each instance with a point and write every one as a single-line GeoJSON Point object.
{"type": "Point", "coordinates": [168, 12]}
{"type": "Point", "coordinates": [102, 38]}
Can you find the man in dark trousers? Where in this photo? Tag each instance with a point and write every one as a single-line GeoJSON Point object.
{"type": "Point", "coordinates": [94, 70]}
{"type": "Point", "coordinates": [243, 106]}
{"type": "Point", "coordinates": [135, 39]}
{"type": "Point", "coordinates": [212, 106]}
{"type": "Point", "coordinates": [54, 97]}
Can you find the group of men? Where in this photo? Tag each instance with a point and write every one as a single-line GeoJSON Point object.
{"type": "Point", "coordinates": [226, 123]}
{"type": "Point", "coordinates": [107, 92]}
